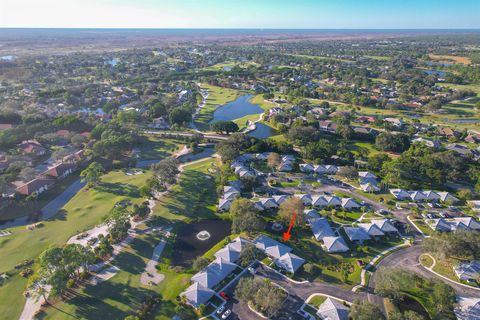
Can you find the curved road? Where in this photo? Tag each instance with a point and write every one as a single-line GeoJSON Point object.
{"type": "Point", "coordinates": [407, 259]}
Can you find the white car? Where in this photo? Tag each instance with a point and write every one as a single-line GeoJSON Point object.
{"type": "Point", "coordinates": [226, 314]}
{"type": "Point", "coordinates": [251, 270]}
{"type": "Point", "coordinates": [220, 310]}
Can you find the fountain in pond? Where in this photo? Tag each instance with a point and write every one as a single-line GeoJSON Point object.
{"type": "Point", "coordinates": [203, 235]}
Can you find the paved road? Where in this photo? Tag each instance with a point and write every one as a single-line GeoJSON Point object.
{"type": "Point", "coordinates": [407, 259]}
{"type": "Point", "coordinates": [56, 204]}
{"type": "Point", "coordinates": [206, 135]}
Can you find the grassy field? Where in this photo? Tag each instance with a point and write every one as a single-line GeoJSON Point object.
{"type": "Point", "coordinates": [473, 87]}
{"type": "Point", "coordinates": [380, 58]}
{"type": "Point", "coordinates": [193, 197]}
{"type": "Point", "coordinates": [120, 295]}
{"type": "Point", "coordinates": [82, 212]}
{"type": "Point", "coordinates": [450, 59]}
{"type": "Point", "coordinates": [155, 147]}
{"type": "Point", "coordinates": [217, 97]}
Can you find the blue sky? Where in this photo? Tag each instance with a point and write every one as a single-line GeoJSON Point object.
{"type": "Point", "coordinates": [329, 14]}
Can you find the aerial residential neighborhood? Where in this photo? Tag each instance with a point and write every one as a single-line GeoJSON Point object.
{"type": "Point", "coordinates": [178, 160]}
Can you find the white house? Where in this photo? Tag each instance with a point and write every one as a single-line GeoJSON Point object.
{"type": "Point", "coordinates": [306, 167]}
{"type": "Point", "coordinates": [417, 195]}
{"type": "Point", "coordinates": [372, 229]}
{"type": "Point", "coordinates": [268, 203]}
{"type": "Point", "coordinates": [289, 262]}
{"type": "Point", "coordinates": [447, 197]}
{"type": "Point", "coordinates": [468, 271]}
{"type": "Point", "coordinates": [400, 194]}
{"type": "Point", "coordinates": [224, 204]}
{"type": "Point", "coordinates": [335, 244]}
{"type": "Point", "coordinates": [319, 202]}
{"type": "Point", "coordinates": [306, 199]}
{"type": "Point", "coordinates": [385, 225]}
{"type": "Point", "coordinates": [332, 309]}
{"type": "Point", "coordinates": [349, 203]}
{"type": "Point", "coordinates": [333, 201]}
{"type": "Point", "coordinates": [280, 199]}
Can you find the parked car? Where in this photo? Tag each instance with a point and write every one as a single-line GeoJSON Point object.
{"type": "Point", "coordinates": [220, 310]}
{"type": "Point", "coordinates": [224, 295]}
{"type": "Point", "coordinates": [226, 314]}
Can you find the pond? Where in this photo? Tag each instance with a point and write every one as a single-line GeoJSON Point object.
{"type": "Point", "coordinates": [408, 303]}
{"type": "Point", "coordinates": [460, 121]}
{"type": "Point", "coordinates": [262, 131]}
{"type": "Point", "coordinates": [187, 245]}
{"type": "Point", "coordinates": [436, 73]}
{"type": "Point", "coordinates": [236, 109]}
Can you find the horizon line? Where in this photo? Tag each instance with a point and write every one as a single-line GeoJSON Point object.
{"type": "Point", "coordinates": [247, 28]}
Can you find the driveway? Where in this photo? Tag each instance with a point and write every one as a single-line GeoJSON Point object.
{"type": "Point", "coordinates": [407, 259]}
{"type": "Point", "coordinates": [56, 204]}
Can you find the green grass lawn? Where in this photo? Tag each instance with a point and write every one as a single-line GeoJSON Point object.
{"type": "Point", "coordinates": [122, 294]}
{"type": "Point", "coordinates": [155, 147]}
{"type": "Point", "coordinates": [82, 212]}
{"type": "Point", "coordinates": [426, 261]}
{"type": "Point", "coordinates": [193, 197]}
{"type": "Point", "coordinates": [217, 97]}
{"type": "Point", "coordinates": [444, 267]}
{"type": "Point", "coordinates": [423, 227]}
{"type": "Point", "coordinates": [317, 300]}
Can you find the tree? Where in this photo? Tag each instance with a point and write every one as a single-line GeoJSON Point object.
{"type": "Point", "coordinates": [290, 206]}
{"type": "Point", "coordinates": [444, 297]}
{"type": "Point", "coordinates": [180, 116]}
{"type": "Point", "coordinates": [224, 127]}
{"type": "Point", "coordinates": [118, 222]}
{"type": "Point", "coordinates": [92, 174]}
{"type": "Point", "coordinates": [165, 171]}
{"type": "Point", "coordinates": [392, 142]}
{"type": "Point", "coordinates": [407, 315]}
{"type": "Point", "coordinates": [348, 172]}
{"type": "Point", "coordinates": [273, 160]}
{"type": "Point", "coordinates": [263, 295]}
{"type": "Point", "coordinates": [245, 217]}
{"type": "Point", "coordinates": [375, 162]}
{"type": "Point", "coordinates": [389, 282]}
{"type": "Point", "coordinates": [364, 310]}
{"type": "Point", "coordinates": [345, 131]}
{"type": "Point", "coordinates": [459, 244]}
{"type": "Point", "coordinates": [27, 174]}
{"type": "Point", "coordinates": [57, 265]}
{"type": "Point", "coordinates": [200, 263]}
{"type": "Point", "coordinates": [249, 254]}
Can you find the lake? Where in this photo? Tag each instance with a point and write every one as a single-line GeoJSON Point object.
{"type": "Point", "coordinates": [236, 109]}
{"type": "Point", "coordinates": [187, 247]}
{"type": "Point", "coordinates": [436, 73]}
{"type": "Point", "coordinates": [460, 121]}
{"type": "Point", "coordinates": [262, 131]}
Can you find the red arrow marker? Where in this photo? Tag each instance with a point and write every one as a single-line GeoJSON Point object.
{"type": "Point", "coordinates": [287, 235]}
